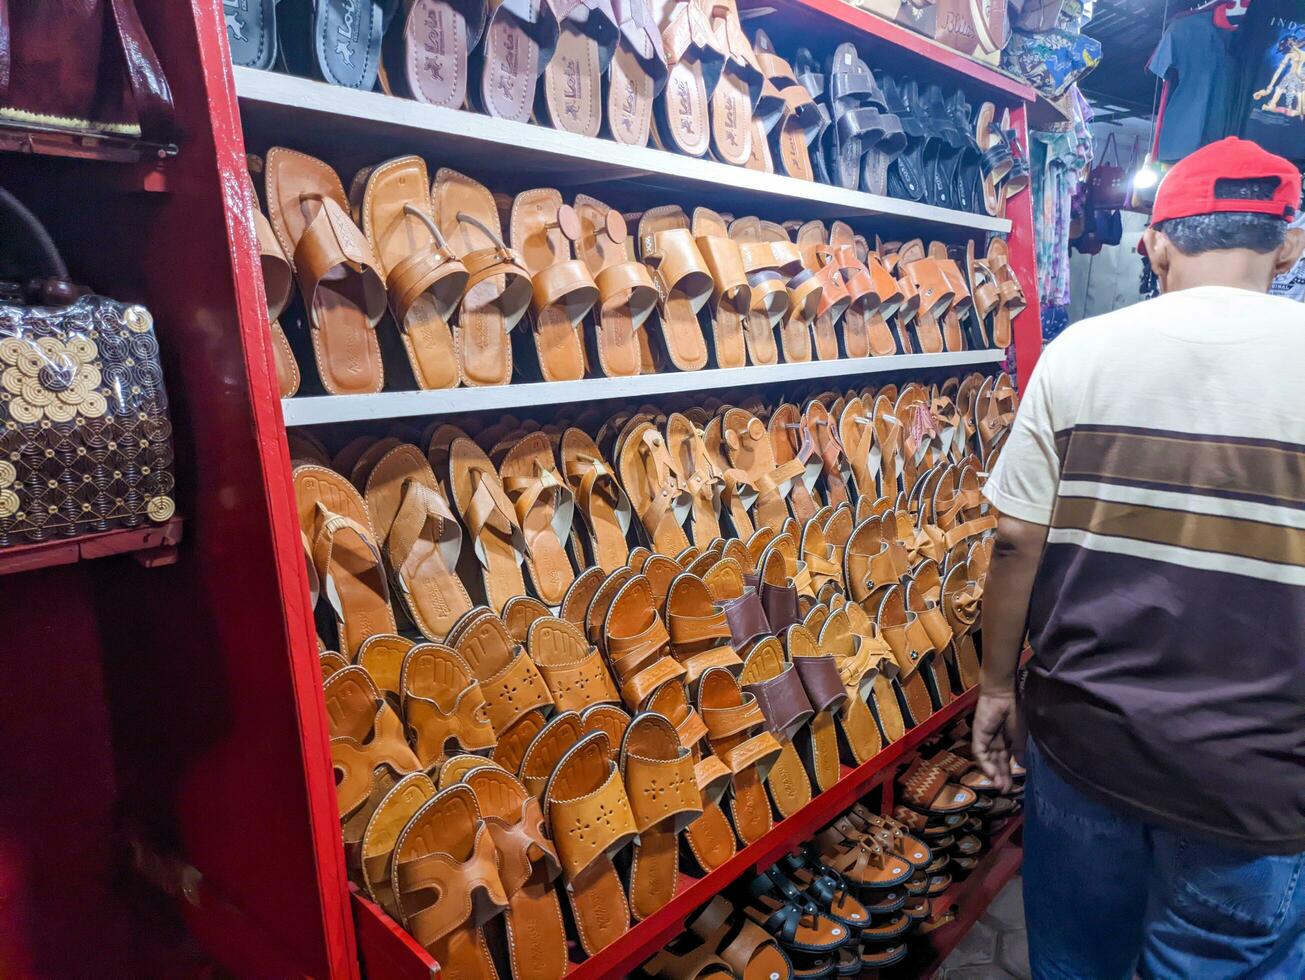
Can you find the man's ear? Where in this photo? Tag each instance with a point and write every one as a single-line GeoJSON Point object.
{"type": "Point", "coordinates": [1158, 252]}
{"type": "Point", "coordinates": [1289, 251]}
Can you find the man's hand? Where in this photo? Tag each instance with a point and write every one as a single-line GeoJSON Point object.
{"type": "Point", "coordinates": [998, 732]}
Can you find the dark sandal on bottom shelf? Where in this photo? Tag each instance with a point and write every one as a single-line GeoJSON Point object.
{"type": "Point", "coordinates": [827, 891]}
{"type": "Point", "coordinates": [749, 950]}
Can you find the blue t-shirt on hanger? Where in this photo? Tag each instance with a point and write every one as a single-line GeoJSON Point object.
{"type": "Point", "coordinates": [1195, 54]}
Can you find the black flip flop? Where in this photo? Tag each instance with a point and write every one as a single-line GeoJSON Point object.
{"type": "Point", "coordinates": [251, 33]}
{"type": "Point", "coordinates": [347, 41]}
{"type": "Point", "coordinates": [813, 80]}
{"type": "Point", "coordinates": [906, 176]}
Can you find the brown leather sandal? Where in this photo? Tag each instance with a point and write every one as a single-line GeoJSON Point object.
{"type": "Point", "coordinates": [627, 295]}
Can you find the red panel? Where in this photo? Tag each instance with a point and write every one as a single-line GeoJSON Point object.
{"type": "Point", "coordinates": [1028, 325]}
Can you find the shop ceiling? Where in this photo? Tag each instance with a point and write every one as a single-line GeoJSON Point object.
{"type": "Point", "coordinates": [1128, 30]}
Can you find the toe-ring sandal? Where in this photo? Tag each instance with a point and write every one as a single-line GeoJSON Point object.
{"type": "Point", "coordinates": [345, 555]}
{"type": "Point", "coordinates": [735, 729]}
{"type": "Point", "coordinates": [605, 510]}
{"type": "Point", "coordinates": [926, 789]}
{"type": "Point", "coordinates": [423, 281]}
{"type": "Point", "coordinates": [828, 891]}
{"type": "Point", "coordinates": [636, 75]}
{"type": "Point", "coordinates": [339, 276]}
{"type": "Point", "coordinates": [446, 880]}
{"type": "Point", "coordinates": [684, 282]}
{"type": "Point", "coordinates": [542, 230]}
{"type": "Point", "coordinates": [545, 508]}
{"type": "Point", "coordinates": [518, 42]}
{"type": "Point", "coordinates": [791, 440]}
{"type": "Point", "coordinates": [798, 927]}
{"type": "Point", "coordinates": [750, 952]}
{"type": "Point", "coordinates": [864, 864]}
{"type": "Point", "coordinates": [421, 539]}
{"type": "Point", "coordinates": [426, 57]}
{"type": "Point", "coordinates": [626, 293]}
{"type": "Point", "coordinates": [863, 823]}
{"type": "Point", "coordinates": [571, 98]}
{"type": "Point", "coordinates": [664, 798]}
{"type": "Point", "coordinates": [443, 703]}
{"type": "Point", "coordinates": [694, 470]}
{"type": "Point", "coordinates": [753, 460]}
{"type": "Point", "coordinates": [491, 521]}
{"type": "Point", "coordinates": [731, 294]}
{"type": "Point", "coordinates": [775, 683]}
{"type": "Point", "coordinates": [694, 61]}
{"type": "Point", "coordinates": [647, 473]}
{"type": "Point", "coordinates": [498, 290]}
{"type": "Point", "coordinates": [588, 812]}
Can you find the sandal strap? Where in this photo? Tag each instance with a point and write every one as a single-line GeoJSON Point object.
{"type": "Point", "coordinates": [487, 510]}
{"type": "Point", "coordinates": [419, 273]}
{"type": "Point", "coordinates": [522, 845]}
{"type": "Point", "coordinates": [331, 242]}
{"type": "Point", "coordinates": [468, 891]}
{"type": "Point", "coordinates": [596, 824]}
{"type": "Point", "coordinates": [422, 507]}
{"type": "Point", "coordinates": [662, 790]}
{"type": "Point", "coordinates": [628, 285]}
{"type": "Point", "coordinates": [515, 691]}
{"type": "Point", "coordinates": [568, 284]}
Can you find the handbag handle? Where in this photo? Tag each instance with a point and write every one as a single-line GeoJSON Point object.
{"type": "Point", "coordinates": [50, 285]}
{"type": "Point", "coordinates": [149, 87]}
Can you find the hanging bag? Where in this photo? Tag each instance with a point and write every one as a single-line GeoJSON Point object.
{"type": "Point", "coordinates": [1109, 181]}
{"type": "Point", "coordinates": [82, 65]}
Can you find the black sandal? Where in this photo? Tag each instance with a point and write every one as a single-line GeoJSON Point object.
{"type": "Point", "coordinates": [813, 80]}
{"type": "Point", "coordinates": [906, 172]}
{"type": "Point", "coordinates": [855, 107]}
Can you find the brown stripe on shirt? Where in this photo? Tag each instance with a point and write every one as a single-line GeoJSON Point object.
{"type": "Point", "coordinates": [1185, 460]}
{"type": "Point", "coordinates": [1183, 529]}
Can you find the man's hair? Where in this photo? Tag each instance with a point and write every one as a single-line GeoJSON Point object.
{"type": "Point", "coordinates": [1228, 229]}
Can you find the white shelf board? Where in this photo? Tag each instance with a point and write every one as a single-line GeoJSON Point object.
{"type": "Point", "coordinates": [319, 409]}
{"type": "Point", "coordinates": [367, 126]}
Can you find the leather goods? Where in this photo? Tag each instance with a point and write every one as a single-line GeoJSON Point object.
{"type": "Point", "coordinates": [912, 647]}
{"type": "Point", "coordinates": [929, 614]}
{"type": "Point", "coordinates": [588, 812]}
{"type": "Point", "coordinates": [1010, 291]}
{"type": "Point", "coordinates": [443, 703]}
{"type": "Point", "coordinates": [647, 473]}
{"type": "Point", "coordinates": [636, 75]}
{"type": "Point", "coordinates": [699, 631]}
{"type": "Point", "coordinates": [750, 952]}
{"type": "Point", "coordinates": [800, 928]}
{"type": "Point", "coordinates": [820, 261]}
{"type": "Point", "coordinates": [509, 679]}
{"type": "Point", "coordinates": [636, 643]}
{"type": "Point", "coordinates": [891, 834]}
{"type": "Point", "coordinates": [857, 667]}
{"type": "Point", "coordinates": [368, 749]}
{"type": "Point", "coordinates": [575, 604]}
{"type": "Point", "coordinates": [735, 729]}
{"type": "Point", "coordinates": [545, 750]}
{"type": "Point", "coordinates": [953, 335]}
{"type": "Point", "coordinates": [572, 668]}
{"type": "Point", "coordinates": [735, 94]}
{"type": "Point", "coordinates": [610, 719]}
{"type": "Point", "coordinates": [381, 655]}
{"type": "Point", "coordinates": [731, 295]}
{"type": "Point", "coordinates": [800, 122]}
{"type": "Point", "coordinates": [779, 593]}
{"type": "Point", "coordinates": [664, 799]}
{"type": "Point", "coordinates": [856, 431]}
{"type": "Point", "coordinates": [861, 292]}
{"type": "Point", "coordinates": [986, 298]}
{"type": "Point", "coordinates": [785, 292]}
{"type": "Point", "coordinates": [596, 613]}
{"type": "Point", "coordinates": [489, 516]}
{"type": "Point", "coordinates": [812, 79]}
{"type": "Point", "coordinates": [791, 440]}
{"type": "Point", "coordinates": [964, 771]}
{"type": "Point", "coordinates": [694, 470]}
{"type": "Point", "coordinates": [544, 510]}
{"type": "Point", "coordinates": [835, 470]}
{"type": "Point", "coordinates": [770, 678]}
{"type": "Point", "coordinates": [498, 289]}
{"type": "Point", "coordinates": [446, 880]}
{"type": "Point", "coordinates": [627, 295]}
{"type": "Point", "coordinates": [542, 230]}
{"type": "Point", "coordinates": [925, 788]}
{"type": "Point", "coordinates": [420, 539]}
{"type": "Point", "coordinates": [694, 62]}
{"type": "Point", "coordinates": [861, 122]}
{"type": "Point", "coordinates": [818, 673]}
{"type": "Point", "coordinates": [83, 66]}
{"type": "Point", "coordinates": [751, 455]}
{"type": "Point", "coordinates": [586, 42]}
{"type": "Point", "coordinates": [739, 602]}
{"type": "Point", "coordinates": [961, 599]}
{"type": "Point", "coordinates": [605, 510]}
{"type": "Point", "coordinates": [820, 558]}
{"type": "Point", "coordinates": [528, 865]}
{"type": "Point", "coordinates": [333, 517]}
{"type": "Point", "coordinates": [683, 279]}
{"type": "Point", "coordinates": [424, 282]}
{"type": "Point", "coordinates": [736, 497]}
{"type": "Point", "coordinates": [887, 449]}
{"type": "Point", "coordinates": [339, 276]}
{"type": "Point", "coordinates": [995, 160]}
{"type": "Point", "coordinates": [863, 862]}
{"type": "Point", "coordinates": [872, 561]}
{"type": "Point", "coordinates": [519, 613]}
{"type": "Point", "coordinates": [330, 662]}
{"type": "Point", "coordinates": [519, 41]}
{"type": "Point", "coordinates": [376, 849]}
{"type": "Point", "coordinates": [426, 56]}
{"type": "Point", "coordinates": [934, 295]}
{"type": "Point", "coordinates": [278, 287]}
{"type": "Point", "coordinates": [367, 460]}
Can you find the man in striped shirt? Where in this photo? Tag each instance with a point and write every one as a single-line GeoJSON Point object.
{"type": "Point", "coordinates": [1152, 542]}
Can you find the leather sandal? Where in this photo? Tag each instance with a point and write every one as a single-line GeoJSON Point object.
{"type": "Point", "coordinates": [637, 644]}
{"type": "Point", "coordinates": [683, 279]}
{"type": "Point", "coordinates": [753, 460]}
{"type": "Point", "coordinates": [519, 613]}
{"type": "Point", "coordinates": [420, 538]}
{"type": "Point", "coordinates": [543, 229]}
{"type": "Point", "coordinates": [694, 470]}
{"type": "Point", "coordinates": [509, 680]}
{"type": "Point", "coordinates": [345, 40]}
{"type": "Point", "coordinates": [731, 293]}
{"type": "Point", "coordinates": [891, 833]}
{"type": "Point", "coordinates": [737, 497]}
{"type": "Point", "coordinates": [278, 286]}
{"type": "Point", "coordinates": [700, 633]}
{"type": "Point", "coordinates": [588, 812]}
{"type": "Point", "coordinates": [799, 122]}
{"type": "Point", "coordinates": [571, 99]}
{"type": "Point", "coordinates": [926, 789]}
{"type": "Point", "coordinates": [735, 726]}
{"type": "Point", "coordinates": [330, 662]}
{"type": "Point", "coordinates": [368, 750]}
{"type": "Point", "coordinates": [736, 92]}
{"type": "Point", "coordinates": [775, 683]}
{"type": "Point", "coordinates": [415, 68]}
{"type": "Point", "coordinates": [911, 647]}
{"type": "Point", "coordinates": [545, 750]}
{"type": "Point", "coordinates": [376, 849]}
{"type": "Point", "coordinates": [864, 863]}
{"type": "Point", "coordinates": [778, 280]}
{"type": "Point", "coordinates": [571, 666]}
{"type": "Point", "coordinates": [791, 440]}
{"type": "Point", "coordinates": [811, 78]}
{"type": "Point", "coordinates": [604, 508]}
{"type": "Point", "coordinates": [339, 277]}
{"type": "Point", "coordinates": [1010, 291]}
{"type": "Point", "coordinates": [664, 798]}
{"type": "Point", "coordinates": [694, 62]}
{"type": "Point", "coordinates": [596, 612]}
{"type": "Point", "coordinates": [861, 291]}
{"type": "Point", "coordinates": [835, 470]}
{"type": "Point", "coordinates": [333, 517]}
{"type": "Point", "coordinates": [491, 521]}
{"type": "Point", "coordinates": [820, 261]}
{"type": "Point", "coordinates": [647, 473]}
{"type": "Point", "coordinates": [858, 664]}
{"type": "Point", "coordinates": [627, 295]}
{"type": "Point", "coordinates": [443, 702]}
{"type": "Point", "coordinates": [799, 927]}
{"type": "Point", "coordinates": [751, 953]}
{"type": "Point", "coordinates": [423, 280]}
{"type": "Point", "coordinates": [961, 599]}
{"type": "Point", "coordinates": [818, 672]}
{"type": "Point", "coordinates": [519, 40]}
{"type": "Point", "coordinates": [929, 614]}
{"type": "Point", "coordinates": [498, 289]}
{"type": "Point", "coordinates": [381, 655]}
{"type": "Point", "coordinates": [779, 589]}
{"type": "Point", "coordinates": [446, 880]}
{"type": "Point", "coordinates": [636, 75]}
{"type": "Point", "coordinates": [544, 510]}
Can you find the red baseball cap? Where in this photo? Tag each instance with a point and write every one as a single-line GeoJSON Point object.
{"type": "Point", "coordinates": [1188, 189]}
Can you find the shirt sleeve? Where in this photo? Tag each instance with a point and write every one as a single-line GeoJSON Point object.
{"type": "Point", "coordinates": [1024, 482]}
{"type": "Point", "coordinates": [1162, 59]}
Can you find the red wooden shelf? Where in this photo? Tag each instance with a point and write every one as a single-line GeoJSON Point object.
{"type": "Point", "coordinates": [388, 951]}
{"type": "Point", "coordinates": [976, 74]}
{"type": "Point", "coordinates": [151, 546]}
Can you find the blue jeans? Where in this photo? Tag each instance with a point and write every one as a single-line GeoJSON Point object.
{"type": "Point", "coordinates": [1107, 895]}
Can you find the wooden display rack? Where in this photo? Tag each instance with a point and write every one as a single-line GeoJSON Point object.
{"type": "Point", "coordinates": [176, 712]}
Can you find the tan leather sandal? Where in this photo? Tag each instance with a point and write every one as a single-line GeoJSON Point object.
{"type": "Point", "coordinates": [368, 750]}
{"type": "Point", "coordinates": [683, 279]}
{"type": "Point", "coordinates": [774, 681]}
{"type": "Point", "coordinates": [545, 508]}
{"type": "Point", "coordinates": [443, 703]}
{"type": "Point", "coordinates": [508, 677]}
{"type": "Point", "coordinates": [571, 666]}
{"type": "Point", "coordinates": [648, 475]}
{"type": "Point", "coordinates": [376, 857]}
{"type": "Point", "coordinates": [736, 731]}
{"type": "Point", "coordinates": [278, 286]}
{"type": "Point", "coordinates": [695, 471]}
{"type": "Point", "coordinates": [627, 295]}
{"type": "Point", "coordinates": [491, 521]}
{"type": "Point", "coordinates": [637, 644]}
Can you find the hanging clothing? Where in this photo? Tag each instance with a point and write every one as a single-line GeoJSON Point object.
{"type": "Point", "coordinates": [1292, 282]}
{"type": "Point", "coordinates": [1195, 55]}
{"type": "Point", "coordinates": [1271, 88]}
{"type": "Point", "coordinates": [1061, 160]}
